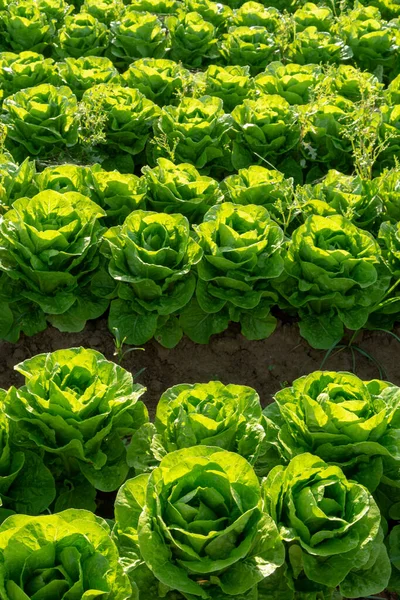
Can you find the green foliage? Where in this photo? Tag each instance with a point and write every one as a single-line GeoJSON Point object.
{"type": "Point", "coordinates": [82, 35]}
{"type": "Point", "coordinates": [160, 80]}
{"type": "Point", "coordinates": [42, 119]}
{"type": "Point", "coordinates": [16, 181]}
{"type": "Point", "coordinates": [77, 410]}
{"type": "Point", "coordinates": [24, 70]}
{"type": "Point", "coordinates": [193, 39]}
{"type": "Point", "coordinates": [137, 35]}
{"type": "Point", "coordinates": [59, 556]}
{"type": "Point", "coordinates": [242, 254]}
{"type": "Point", "coordinates": [295, 83]}
{"type": "Point", "coordinates": [334, 277]}
{"type": "Point", "coordinates": [343, 420]}
{"type": "Point", "coordinates": [117, 193]}
{"type": "Point", "coordinates": [104, 11]}
{"type": "Point", "coordinates": [264, 129]}
{"type": "Point", "coordinates": [180, 189]}
{"type": "Point", "coordinates": [80, 74]}
{"type": "Point", "coordinates": [208, 414]}
{"type": "Point", "coordinates": [150, 260]}
{"type": "Point", "coordinates": [331, 526]}
{"type": "Point", "coordinates": [263, 187]}
{"type": "Point", "coordinates": [199, 525]}
{"type": "Point", "coordinates": [196, 131]}
{"type": "Point", "coordinates": [249, 46]}
{"type": "Point", "coordinates": [48, 252]}
{"type": "Point", "coordinates": [232, 84]}
{"type": "Point", "coordinates": [26, 27]}
{"type": "Point", "coordinates": [128, 116]}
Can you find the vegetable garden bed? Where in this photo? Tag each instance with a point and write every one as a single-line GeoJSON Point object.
{"type": "Point", "coordinates": [199, 300]}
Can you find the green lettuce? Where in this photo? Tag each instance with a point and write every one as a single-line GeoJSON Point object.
{"type": "Point", "coordinates": [82, 35]}
{"type": "Point", "coordinates": [117, 193]}
{"type": "Point", "coordinates": [24, 70]}
{"type": "Point", "coordinates": [26, 485]}
{"type": "Point", "coordinates": [48, 253]}
{"type": "Point", "coordinates": [334, 278]}
{"type": "Point", "coordinates": [208, 414]}
{"type": "Point", "coordinates": [253, 46]}
{"type": "Point", "coordinates": [64, 178]}
{"type": "Point", "coordinates": [67, 555]}
{"type": "Point", "coordinates": [242, 255]}
{"type": "Point", "coordinates": [26, 27]}
{"type": "Point", "coordinates": [316, 47]}
{"type": "Point", "coordinates": [160, 80]}
{"type": "Point", "coordinates": [215, 12]}
{"type": "Point", "coordinates": [16, 181]}
{"type": "Point", "coordinates": [80, 74]}
{"type": "Point", "coordinates": [137, 35]}
{"type": "Point", "coordinates": [347, 195]}
{"type": "Point", "coordinates": [42, 119]}
{"type": "Point", "coordinates": [180, 189]}
{"type": "Point", "coordinates": [78, 410]}
{"type": "Point", "coordinates": [197, 525]}
{"type": "Point", "coordinates": [373, 42]}
{"type": "Point", "coordinates": [128, 116]}
{"type": "Point", "coordinates": [263, 187]}
{"type": "Point", "coordinates": [264, 128]}
{"type": "Point", "coordinates": [150, 260]}
{"type": "Point", "coordinates": [295, 83]}
{"type": "Point", "coordinates": [345, 421]}
{"type": "Point", "coordinates": [197, 131]}
{"type": "Point", "coordinates": [193, 39]}
{"type": "Point", "coordinates": [104, 10]}
{"type": "Point", "coordinates": [232, 84]}
{"type": "Point", "coordinates": [331, 529]}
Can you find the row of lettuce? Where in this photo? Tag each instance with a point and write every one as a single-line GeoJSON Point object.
{"type": "Point", "coordinates": [301, 119]}
{"type": "Point", "coordinates": [200, 32]}
{"type": "Point", "coordinates": [184, 254]}
{"type": "Point", "coordinates": [217, 498]}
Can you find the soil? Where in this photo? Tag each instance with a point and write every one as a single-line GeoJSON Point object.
{"type": "Point", "coordinates": [266, 365]}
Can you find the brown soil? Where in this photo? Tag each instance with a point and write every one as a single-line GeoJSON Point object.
{"type": "Point", "coordinates": [266, 365]}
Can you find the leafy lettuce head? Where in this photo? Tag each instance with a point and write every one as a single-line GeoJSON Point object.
{"type": "Point", "coordinates": [159, 79]}
{"type": "Point", "coordinates": [334, 277]}
{"type": "Point", "coordinates": [48, 245]}
{"type": "Point", "coordinates": [295, 83]}
{"type": "Point", "coordinates": [261, 186]}
{"type": "Point", "coordinates": [208, 414]}
{"type": "Point", "coordinates": [193, 39]}
{"type": "Point", "coordinates": [82, 73]}
{"type": "Point", "coordinates": [129, 115]}
{"type": "Point", "coordinates": [253, 46]}
{"type": "Point", "coordinates": [196, 131]}
{"type": "Point", "coordinates": [180, 189]}
{"type": "Point", "coordinates": [264, 129]}
{"type": "Point", "coordinates": [232, 84]}
{"type": "Point", "coordinates": [24, 70]}
{"type": "Point", "coordinates": [117, 193]}
{"type": "Point", "coordinates": [42, 118]}
{"type": "Point", "coordinates": [242, 254]}
{"type": "Point", "coordinates": [343, 420]}
{"type": "Point", "coordinates": [26, 27]}
{"type": "Point", "coordinates": [78, 409]}
{"type": "Point", "coordinates": [137, 35]}
{"type": "Point", "coordinates": [67, 555]}
{"type": "Point", "coordinates": [105, 11]}
{"type": "Point", "coordinates": [331, 526]}
{"type": "Point", "coordinates": [199, 524]}
{"type": "Point", "coordinates": [82, 35]}
{"type": "Point", "coordinates": [151, 258]}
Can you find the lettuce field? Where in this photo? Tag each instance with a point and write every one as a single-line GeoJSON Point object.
{"type": "Point", "coordinates": [199, 300]}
